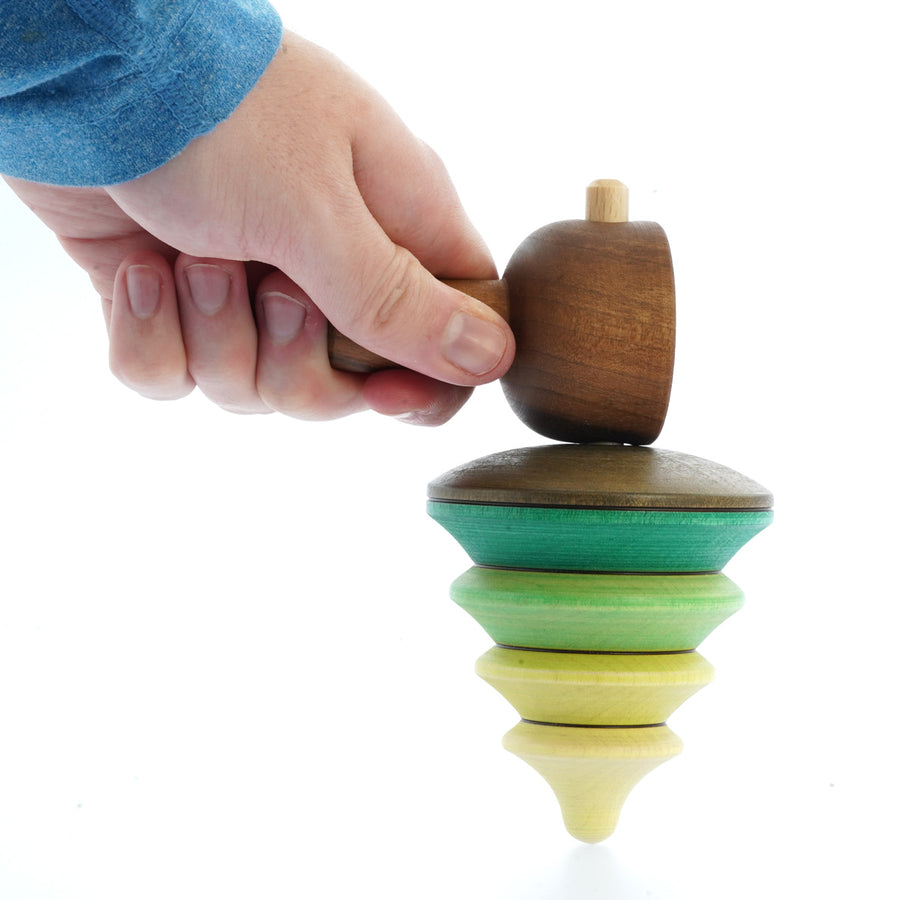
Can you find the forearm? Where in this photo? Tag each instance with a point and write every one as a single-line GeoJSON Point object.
{"type": "Point", "coordinates": [96, 92]}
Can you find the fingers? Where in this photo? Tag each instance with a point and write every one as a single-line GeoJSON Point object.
{"type": "Point", "coordinates": [219, 332]}
{"type": "Point", "coordinates": [413, 398]}
{"type": "Point", "coordinates": [378, 294]}
{"type": "Point", "coordinates": [293, 374]}
{"type": "Point", "coordinates": [146, 351]}
{"type": "Point", "coordinates": [173, 329]}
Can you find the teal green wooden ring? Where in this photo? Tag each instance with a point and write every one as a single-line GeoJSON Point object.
{"type": "Point", "coordinates": [599, 540]}
{"type": "Point", "coordinates": [616, 613]}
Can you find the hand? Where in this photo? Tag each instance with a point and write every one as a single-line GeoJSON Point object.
{"type": "Point", "coordinates": [314, 176]}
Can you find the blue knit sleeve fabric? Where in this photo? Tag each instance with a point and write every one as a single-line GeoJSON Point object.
{"type": "Point", "coordinates": [97, 92]}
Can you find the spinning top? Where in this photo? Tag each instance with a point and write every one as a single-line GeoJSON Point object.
{"type": "Point", "coordinates": [597, 575]}
{"type": "Point", "coordinates": [597, 565]}
{"type": "Point", "coordinates": [592, 307]}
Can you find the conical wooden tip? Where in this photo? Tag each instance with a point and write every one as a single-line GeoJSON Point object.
{"type": "Point", "coordinates": [592, 770]}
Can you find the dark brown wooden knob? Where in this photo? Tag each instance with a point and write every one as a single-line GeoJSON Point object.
{"type": "Point", "coordinates": [592, 307]}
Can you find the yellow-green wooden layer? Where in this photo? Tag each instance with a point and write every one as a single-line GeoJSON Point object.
{"type": "Point", "coordinates": [575, 611]}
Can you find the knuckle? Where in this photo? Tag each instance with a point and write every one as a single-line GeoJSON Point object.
{"type": "Point", "coordinates": [150, 378]}
{"type": "Point", "coordinates": [226, 373]}
{"type": "Point", "coordinates": [309, 394]}
{"type": "Point", "coordinates": [299, 398]}
{"type": "Point", "coordinates": [390, 296]}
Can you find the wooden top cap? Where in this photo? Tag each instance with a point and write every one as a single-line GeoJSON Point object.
{"type": "Point", "coordinates": [599, 476]}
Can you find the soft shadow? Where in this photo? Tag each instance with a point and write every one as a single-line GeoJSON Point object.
{"type": "Point", "coordinates": [590, 872]}
{"type": "Point", "coordinates": [596, 871]}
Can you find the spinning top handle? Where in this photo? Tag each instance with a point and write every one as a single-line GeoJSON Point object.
{"type": "Point", "coordinates": [348, 356]}
{"type": "Point", "coordinates": [592, 307]}
{"type": "Point", "coordinates": [607, 201]}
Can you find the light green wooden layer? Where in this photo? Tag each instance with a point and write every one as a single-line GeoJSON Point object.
{"type": "Point", "coordinates": [576, 611]}
{"type": "Point", "coordinates": [599, 540]}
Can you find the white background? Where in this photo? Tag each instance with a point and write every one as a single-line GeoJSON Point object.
{"type": "Point", "coordinates": [228, 663]}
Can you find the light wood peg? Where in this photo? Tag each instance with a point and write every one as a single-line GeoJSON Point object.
{"type": "Point", "coordinates": [591, 304]}
{"type": "Point", "coordinates": [607, 201]}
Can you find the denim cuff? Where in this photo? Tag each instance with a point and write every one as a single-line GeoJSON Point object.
{"type": "Point", "coordinates": [100, 93]}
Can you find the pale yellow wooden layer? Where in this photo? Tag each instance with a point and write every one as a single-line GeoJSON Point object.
{"type": "Point", "coordinates": [592, 770]}
{"type": "Point", "coordinates": [592, 688]}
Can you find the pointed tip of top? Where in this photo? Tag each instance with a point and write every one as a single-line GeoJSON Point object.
{"type": "Point", "coordinates": [591, 770]}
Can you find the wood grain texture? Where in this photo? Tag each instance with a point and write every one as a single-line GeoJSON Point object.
{"type": "Point", "coordinates": [576, 611]}
{"type": "Point", "coordinates": [600, 476]}
{"type": "Point", "coordinates": [600, 508]}
{"type": "Point", "coordinates": [593, 311]}
{"type": "Point", "coordinates": [592, 770]}
{"type": "Point", "coordinates": [594, 689]}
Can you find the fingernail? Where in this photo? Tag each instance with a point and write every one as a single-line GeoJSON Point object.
{"type": "Point", "coordinates": [210, 286]}
{"type": "Point", "coordinates": [143, 286]}
{"type": "Point", "coordinates": [472, 344]}
{"type": "Point", "coordinates": [284, 316]}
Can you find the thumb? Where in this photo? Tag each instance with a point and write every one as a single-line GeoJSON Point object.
{"type": "Point", "coordinates": [379, 295]}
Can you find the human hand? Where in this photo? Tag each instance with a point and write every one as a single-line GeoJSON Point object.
{"type": "Point", "coordinates": [317, 178]}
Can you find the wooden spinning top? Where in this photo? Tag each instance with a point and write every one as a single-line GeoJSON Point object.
{"type": "Point", "coordinates": [592, 306]}
{"type": "Point", "coordinates": [597, 575]}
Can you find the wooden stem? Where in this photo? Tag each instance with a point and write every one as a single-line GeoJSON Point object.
{"type": "Point", "coordinates": [348, 356]}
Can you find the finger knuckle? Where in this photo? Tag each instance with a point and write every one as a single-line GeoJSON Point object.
{"type": "Point", "coordinates": [303, 399]}
{"type": "Point", "coordinates": [150, 378]}
{"type": "Point", "coordinates": [390, 296]}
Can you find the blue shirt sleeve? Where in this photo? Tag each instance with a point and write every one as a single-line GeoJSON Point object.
{"type": "Point", "coordinates": [96, 92]}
